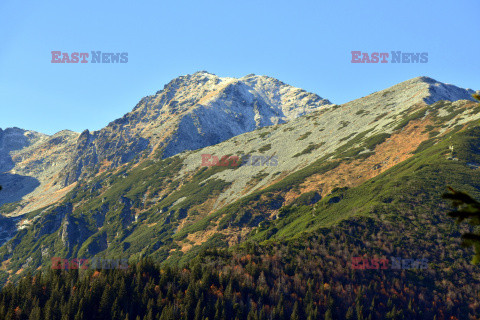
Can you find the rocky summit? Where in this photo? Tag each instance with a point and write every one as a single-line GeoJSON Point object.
{"type": "Point", "coordinates": [191, 112]}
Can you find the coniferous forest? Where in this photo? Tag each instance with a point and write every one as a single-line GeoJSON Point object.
{"type": "Point", "coordinates": [307, 278]}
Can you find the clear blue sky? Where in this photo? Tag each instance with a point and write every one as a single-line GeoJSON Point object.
{"type": "Point", "coordinates": [303, 43]}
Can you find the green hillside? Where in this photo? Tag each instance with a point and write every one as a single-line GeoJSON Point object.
{"type": "Point", "coordinates": [144, 209]}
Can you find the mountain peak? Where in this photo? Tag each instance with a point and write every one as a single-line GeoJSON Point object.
{"type": "Point", "coordinates": [424, 79]}
{"type": "Point", "coordinates": [418, 90]}
{"type": "Point", "coordinates": [445, 91]}
{"type": "Point", "coordinates": [203, 72]}
{"type": "Point", "coordinates": [191, 112]}
{"type": "Point", "coordinates": [432, 90]}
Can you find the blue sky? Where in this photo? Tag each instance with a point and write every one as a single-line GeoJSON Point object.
{"type": "Point", "coordinates": [304, 43]}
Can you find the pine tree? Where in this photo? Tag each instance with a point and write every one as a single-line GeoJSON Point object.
{"type": "Point", "coordinates": [36, 313]}
{"type": "Point", "coordinates": [350, 313]}
{"type": "Point", "coordinates": [218, 309]}
{"type": "Point", "coordinates": [79, 315]}
{"type": "Point", "coordinates": [359, 309]}
{"type": "Point", "coordinates": [149, 315]}
{"type": "Point", "coordinates": [252, 315]}
{"type": "Point", "coordinates": [106, 301]}
{"type": "Point", "coordinates": [295, 315]}
{"type": "Point", "coordinates": [372, 305]}
{"type": "Point", "coordinates": [466, 208]}
{"type": "Point", "coordinates": [167, 313]}
{"type": "Point", "coordinates": [198, 310]}
{"type": "Point", "coordinates": [328, 315]}
{"type": "Point", "coordinates": [263, 314]}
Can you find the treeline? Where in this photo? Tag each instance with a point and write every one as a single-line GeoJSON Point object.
{"type": "Point", "coordinates": [307, 278]}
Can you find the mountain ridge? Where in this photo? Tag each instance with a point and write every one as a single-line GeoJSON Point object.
{"type": "Point", "coordinates": [172, 207]}
{"type": "Point", "coordinates": [119, 143]}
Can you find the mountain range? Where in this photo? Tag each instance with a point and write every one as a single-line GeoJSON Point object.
{"type": "Point", "coordinates": [138, 187]}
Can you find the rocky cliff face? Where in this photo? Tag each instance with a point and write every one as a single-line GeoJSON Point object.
{"type": "Point", "coordinates": [191, 112]}
{"type": "Point", "coordinates": [30, 164]}
{"type": "Point", "coordinates": [14, 139]}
